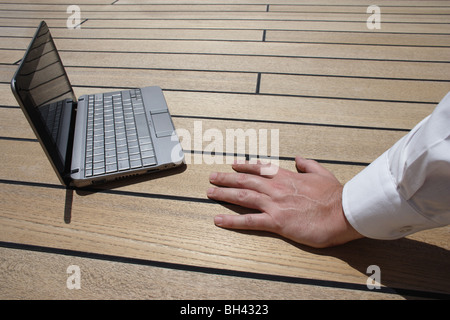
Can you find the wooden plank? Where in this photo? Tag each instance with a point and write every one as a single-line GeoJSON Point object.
{"type": "Point", "coordinates": [7, 70]}
{"type": "Point", "coordinates": [397, 24]}
{"type": "Point", "coordinates": [359, 38]}
{"type": "Point", "coordinates": [294, 50]}
{"type": "Point", "coordinates": [108, 7]}
{"type": "Point", "coordinates": [17, 14]}
{"type": "Point", "coordinates": [347, 88]}
{"type": "Point", "coordinates": [103, 279]}
{"type": "Point", "coordinates": [69, 2]}
{"type": "Point", "coordinates": [386, 8]}
{"type": "Point", "coordinates": [185, 80]}
{"type": "Point", "coordinates": [33, 22]}
{"type": "Point", "coordinates": [361, 18]}
{"type": "Point", "coordinates": [300, 2]}
{"type": "Point", "coordinates": [63, 2]}
{"type": "Point", "coordinates": [147, 34]}
{"type": "Point", "coordinates": [268, 25]}
{"type": "Point", "coordinates": [10, 56]}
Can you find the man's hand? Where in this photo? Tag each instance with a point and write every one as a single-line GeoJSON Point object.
{"type": "Point", "coordinates": [304, 206]}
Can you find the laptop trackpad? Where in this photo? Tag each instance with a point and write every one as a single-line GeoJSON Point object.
{"type": "Point", "coordinates": [163, 124]}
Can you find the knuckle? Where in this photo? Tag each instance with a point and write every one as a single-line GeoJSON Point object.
{"type": "Point", "coordinates": [241, 179]}
{"type": "Point", "coordinates": [249, 221]}
{"type": "Point", "coordinates": [242, 195]}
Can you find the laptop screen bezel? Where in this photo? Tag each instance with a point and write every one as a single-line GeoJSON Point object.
{"type": "Point", "coordinates": [60, 163]}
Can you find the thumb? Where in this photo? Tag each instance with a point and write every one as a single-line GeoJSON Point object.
{"type": "Point", "coordinates": [311, 166]}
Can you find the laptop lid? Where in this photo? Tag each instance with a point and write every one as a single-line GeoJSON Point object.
{"type": "Point", "coordinates": [39, 82]}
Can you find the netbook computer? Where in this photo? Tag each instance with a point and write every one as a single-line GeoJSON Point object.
{"type": "Point", "coordinates": [99, 137]}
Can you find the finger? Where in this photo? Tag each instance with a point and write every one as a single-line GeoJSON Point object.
{"type": "Point", "coordinates": [242, 197]}
{"type": "Point", "coordinates": [240, 180]}
{"type": "Point", "coordinates": [250, 221]}
{"type": "Point", "coordinates": [311, 166]}
{"type": "Point", "coordinates": [268, 170]}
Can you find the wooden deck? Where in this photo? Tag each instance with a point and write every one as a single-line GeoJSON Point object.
{"type": "Point", "coordinates": [337, 92]}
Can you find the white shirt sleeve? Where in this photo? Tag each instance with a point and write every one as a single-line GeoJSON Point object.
{"type": "Point", "coordinates": [407, 189]}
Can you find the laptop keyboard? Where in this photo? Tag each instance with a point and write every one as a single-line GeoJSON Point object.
{"type": "Point", "coordinates": [51, 114]}
{"type": "Point", "coordinates": [117, 133]}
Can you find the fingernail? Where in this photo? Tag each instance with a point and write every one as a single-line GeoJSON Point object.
{"type": "Point", "coordinates": [213, 176]}
{"type": "Point", "coordinates": [218, 221]}
{"type": "Point", "coordinates": [210, 191]}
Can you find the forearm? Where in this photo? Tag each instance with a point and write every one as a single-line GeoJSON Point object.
{"type": "Point", "coordinates": [407, 188]}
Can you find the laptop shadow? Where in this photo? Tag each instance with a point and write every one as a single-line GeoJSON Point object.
{"type": "Point", "coordinates": [109, 186]}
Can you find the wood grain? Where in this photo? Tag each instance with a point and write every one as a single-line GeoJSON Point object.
{"type": "Point", "coordinates": [335, 91]}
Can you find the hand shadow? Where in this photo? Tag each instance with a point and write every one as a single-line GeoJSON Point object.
{"type": "Point", "coordinates": [410, 268]}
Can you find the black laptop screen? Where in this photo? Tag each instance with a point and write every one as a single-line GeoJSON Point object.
{"type": "Point", "coordinates": [42, 79]}
{"type": "Point", "coordinates": [39, 84]}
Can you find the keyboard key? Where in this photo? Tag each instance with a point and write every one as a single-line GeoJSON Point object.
{"type": "Point", "coordinates": [110, 153]}
{"type": "Point", "coordinates": [133, 150]}
{"type": "Point", "coordinates": [122, 156]}
{"type": "Point", "coordinates": [146, 147]}
{"type": "Point", "coordinates": [98, 165]}
{"type": "Point", "coordinates": [122, 149]}
{"type": "Point", "coordinates": [147, 154]}
{"type": "Point", "coordinates": [111, 160]}
{"type": "Point", "coordinates": [111, 167]}
{"type": "Point", "coordinates": [148, 161]}
{"type": "Point", "coordinates": [135, 156]}
{"type": "Point", "coordinates": [135, 164]}
{"type": "Point", "coordinates": [123, 164]}
{"type": "Point", "coordinates": [96, 172]}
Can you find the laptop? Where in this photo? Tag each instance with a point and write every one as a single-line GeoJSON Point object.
{"type": "Point", "coordinates": [99, 137]}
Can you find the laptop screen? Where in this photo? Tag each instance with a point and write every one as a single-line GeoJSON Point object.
{"type": "Point", "coordinates": [41, 87]}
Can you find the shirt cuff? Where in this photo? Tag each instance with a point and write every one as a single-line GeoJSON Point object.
{"type": "Point", "coordinates": [374, 207]}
